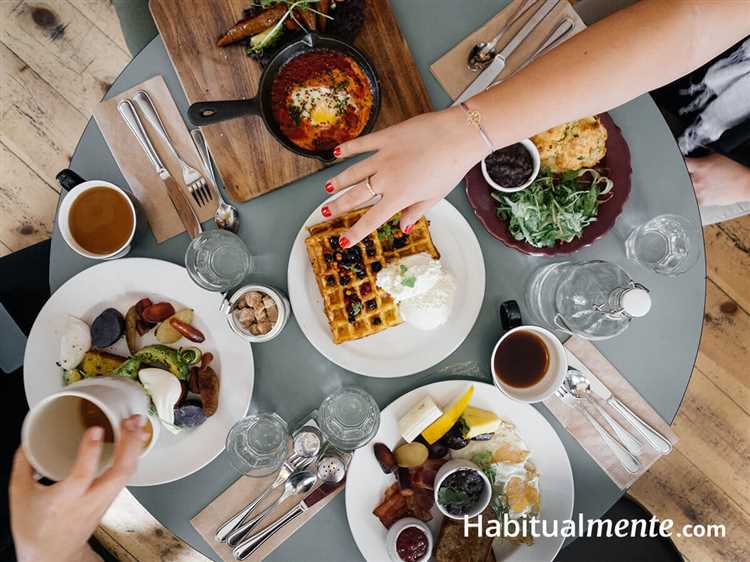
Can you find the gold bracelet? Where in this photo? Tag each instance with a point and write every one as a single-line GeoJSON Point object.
{"type": "Point", "coordinates": [474, 118]}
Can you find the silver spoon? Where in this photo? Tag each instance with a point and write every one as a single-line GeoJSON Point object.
{"type": "Point", "coordinates": [582, 388]}
{"type": "Point", "coordinates": [298, 483]}
{"type": "Point", "coordinates": [483, 53]}
{"type": "Point", "coordinates": [226, 217]}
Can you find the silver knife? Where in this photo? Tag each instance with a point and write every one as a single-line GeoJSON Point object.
{"type": "Point", "coordinates": [653, 437]}
{"type": "Point", "coordinates": [176, 195]}
{"type": "Point", "coordinates": [253, 542]}
{"type": "Point", "coordinates": [488, 75]}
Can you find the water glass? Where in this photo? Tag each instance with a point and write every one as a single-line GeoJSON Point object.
{"type": "Point", "coordinates": [218, 260]}
{"type": "Point", "coordinates": [258, 445]}
{"type": "Point", "coordinates": [667, 244]}
{"type": "Point", "coordinates": [349, 418]}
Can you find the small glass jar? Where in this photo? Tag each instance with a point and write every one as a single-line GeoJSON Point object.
{"type": "Point", "coordinates": [258, 445]}
{"type": "Point", "coordinates": [235, 304]}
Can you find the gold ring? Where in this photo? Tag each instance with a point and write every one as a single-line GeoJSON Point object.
{"type": "Point", "coordinates": [368, 185]}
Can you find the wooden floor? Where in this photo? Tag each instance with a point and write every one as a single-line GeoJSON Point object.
{"type": "Point", "coordinates": [58, 57]}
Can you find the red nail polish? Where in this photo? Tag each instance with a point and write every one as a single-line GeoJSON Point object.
{"type": "Point", "coordinates": [329, 187]}
{"type": "Point", "coordinates": [326, 212]}
{"type": "Point", "coordinates": [409, 228]}
{"type": "Point", "coordinates": [344, 242]}
{"type": "Point", "coordinates": [337, 151]}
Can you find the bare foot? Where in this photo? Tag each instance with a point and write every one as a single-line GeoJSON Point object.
{"type": "Point", "coordinates": [719, 180]}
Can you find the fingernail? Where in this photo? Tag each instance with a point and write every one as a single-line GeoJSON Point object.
{"type": "Point", "coordinates": [344, 242]}
{"type": "Point", "coordinates": [96, 434]}
{"type": "Point", "coordinates": [140, 420]}
{"type": "Point", "coordinates": [409, 228]}
{"type": "Point", "coordinates": [326, 211]}
{"type": "Point", "coordinates": [329, 187]}
{"type": "Point", "coordinates": [337, 151]}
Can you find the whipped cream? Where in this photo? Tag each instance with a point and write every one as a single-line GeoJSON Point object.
{"type": "Point", "coordinates": [422, 289]}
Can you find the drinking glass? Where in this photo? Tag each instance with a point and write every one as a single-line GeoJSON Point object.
{"type": "Point", "coordinates": [258, 445]}
{"type": "Point", "coordinates": [218, 260]}
{"type": "Point", "coordinates": [349, 418]}
{"type": "Point", "coordinates": [666, 244]}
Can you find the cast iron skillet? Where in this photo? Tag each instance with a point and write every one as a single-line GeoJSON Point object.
{"type": "Point", "coordinates": [209, 112]}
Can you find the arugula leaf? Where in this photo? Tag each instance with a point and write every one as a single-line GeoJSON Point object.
{"type": "Point", "coordinates": [453, 496]}
{"type": "Point", "coordinates": [484, 461]}
{"type": "Point", "coordinates": [555, 207]}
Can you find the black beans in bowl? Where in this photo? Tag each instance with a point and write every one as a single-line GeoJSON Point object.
{"type": "Point", "coordinates": [511, 166]}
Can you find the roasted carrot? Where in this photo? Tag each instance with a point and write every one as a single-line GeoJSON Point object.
{"type": "Point", "coordinates": [252, 26]}
{"type": "Point", "coordinates": [323, 7]}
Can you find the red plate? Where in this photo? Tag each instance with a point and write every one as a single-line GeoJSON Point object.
{"type": "Point", "coordinates": [616, 164]}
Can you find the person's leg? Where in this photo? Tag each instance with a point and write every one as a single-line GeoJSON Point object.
{"type": "Point", "coordinates": [136, 23]}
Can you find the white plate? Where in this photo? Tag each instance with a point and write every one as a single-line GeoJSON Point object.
{"type": "Point", "coordinates": [365, 481]}
{"type": "Point", "coordinates": [409, 350]}
{"type": "Point", "coordinates": [120, 284]}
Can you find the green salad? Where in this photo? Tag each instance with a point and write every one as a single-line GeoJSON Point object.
{"type": "Point", "coordinates": [555, 208]}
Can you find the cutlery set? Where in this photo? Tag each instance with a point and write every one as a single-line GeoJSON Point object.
{"type": "Point", "coordinates": [194, 183]}
{"type": "Point", "coordinates": [490, 63]}
{"type": "Point", "coordinates": [583, 393]}
{"type": "Point", "coordinates": [298, 476]}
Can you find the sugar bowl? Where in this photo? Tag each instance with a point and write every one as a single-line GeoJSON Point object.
{"type": "Point", "coordinates": [257, 313]}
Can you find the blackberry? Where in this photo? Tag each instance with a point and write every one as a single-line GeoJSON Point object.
{"type": "Point", "coordinates": [345, 280]}
{"type": "Point", "coordinates": [330, 281]}
{"type": "Point", "coordinates": [371, 304]}
{"type": "Point", "coordinates": [376, 321]}
{"type": "Point", "coordinates": [328, 257]}
{"type": "Point", "coordinates": [376, 266]}
{"type": "Point", "coordinates": [334, 242]}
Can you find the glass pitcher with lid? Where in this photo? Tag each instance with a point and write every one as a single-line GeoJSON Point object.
{"type": "Point", "coordinates": [595, 300]}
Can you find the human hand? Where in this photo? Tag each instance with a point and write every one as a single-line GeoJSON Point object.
{"type": "Point", "coordinates": [416, 163]}
{"type": "Point", "coordinates": [55, 522]}
{"type": "Point", "coordinates": [719, 180]}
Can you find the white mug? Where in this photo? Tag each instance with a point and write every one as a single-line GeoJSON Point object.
{"type": "Point", "coordinates": [63, 224]}
{"type": "Point", "coordinates": [552, 379]}
{"type": "Point", "coordinates": [53, 429]}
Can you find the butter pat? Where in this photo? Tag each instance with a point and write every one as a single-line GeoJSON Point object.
{"type": "Point", "coordinates": [479, 421]}
{"type": "Point", "coordinates": [418, 419]}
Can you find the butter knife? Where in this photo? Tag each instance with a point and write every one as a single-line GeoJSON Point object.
{"type": "Point", "coordinates": [253, 542]}
{"type": "Point", "coordinates": [489, 74]}
{"type": "Point", "coordinates": [653, 437]}
{"type": "Point", "coordinates": [176, 195]}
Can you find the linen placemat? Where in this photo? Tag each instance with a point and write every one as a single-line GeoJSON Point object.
{"type": "Point", "coordinates": [588, 359]}
{"type": "Point", "coordinates": [451, 69]}
{"type": "Point", "coordinates": [237, 496]}
{"type": "Point", "coordinates": [143, 180]}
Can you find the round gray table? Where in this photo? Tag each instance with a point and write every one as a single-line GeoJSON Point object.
{"type": "Point", "coordinates": [656, 354]}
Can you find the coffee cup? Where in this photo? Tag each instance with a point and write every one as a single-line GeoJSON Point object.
{"type": "Point", "coordinates": [53, 429]}
{"type": "Point", "coordinates": [528, 363]}
{"type": "Point", "coordinates": [96, 218]}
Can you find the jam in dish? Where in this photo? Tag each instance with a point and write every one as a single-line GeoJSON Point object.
{"type": "Point", "coordinates": [510, 166]}
{"type": "Point", "coordinates": [320, 99]}
{"type": "Point", "coordinates": [411, 544]}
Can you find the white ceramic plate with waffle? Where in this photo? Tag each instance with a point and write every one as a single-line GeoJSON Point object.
{"type": "Point", "coordinates": [119, 284]}
{"type": "Point", "coordinates": [400, 350]}
{"type": "Point", "coordinates": [366, 482]}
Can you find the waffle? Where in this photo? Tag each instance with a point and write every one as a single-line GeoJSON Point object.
{"type": "Point", "coordinates": [354, 305]}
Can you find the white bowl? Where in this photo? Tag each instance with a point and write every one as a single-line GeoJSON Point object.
{"type": "Point", "coordinates": [395, 531]}
{"type": "Point", "coordinates": [532, 149]}
{"type": "Point", "coordinates": [454, 466]}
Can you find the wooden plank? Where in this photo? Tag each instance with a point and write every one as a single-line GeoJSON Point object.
{"type": "Point", "coordinates": [135, 531]}
{"type": "Point", "coordinates": [675, 488]}
{"type": "Point", "coordinates": [64, 48]}
{"type": "Point", "coordinates": [103, 15]}
{"type": "Point", "coordinates": [724, 353]}
{"type": "Point", "coordinates": [712, 426]}
{"type": "Point", "coordinates": [250, 161]}
{"type": "Point", "coordinates": [4, 250]}
{"type": "Point", "coordinates": [38, 125]}
{"type": "Point", "coordinates": [27, 203]}
{"type": "Point", "coordinates": [728, 258]}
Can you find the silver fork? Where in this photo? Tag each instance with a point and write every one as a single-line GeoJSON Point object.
{"type": "Point", "coordinates": [628, 461]}
{"type": "Point", "coordinates": [195, 182]}
{"type": "Point", "coordinates": [292, 464]}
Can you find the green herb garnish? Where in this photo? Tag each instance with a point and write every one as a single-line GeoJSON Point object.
{"type": "Point", "coordinates": [484, 461]}
{"type": "Point", "coordinates": [409, 281]}
{"type": "Point", "coordinates": [385, 232]}
{"type": "Point", "coordinates": [454, 496]}
{"type": "Point", "coordinates": [553, 208]}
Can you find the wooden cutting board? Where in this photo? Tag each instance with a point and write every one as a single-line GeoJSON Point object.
{"type": "Point", "coordinates": [249, 159]}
